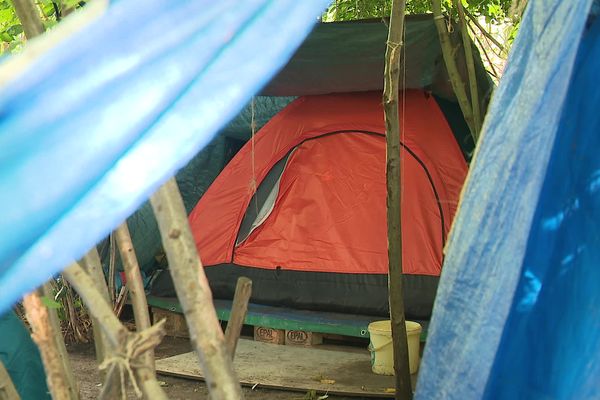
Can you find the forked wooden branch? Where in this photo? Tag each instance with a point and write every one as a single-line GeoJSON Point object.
{"type": "Point", "coordinates": [194, 293]}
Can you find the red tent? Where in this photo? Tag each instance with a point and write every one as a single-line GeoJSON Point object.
{"type": "Point", "coordinates": [302, 208]}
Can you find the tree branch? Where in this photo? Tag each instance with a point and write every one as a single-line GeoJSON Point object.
{"type": "Point", "coordinates": [469, 60]}
{"type": "Point", "coordinates": [194, 293]}
{"type": "Point", "coordinates": [394, 199]}
{"type": "Point", "coordinates": [484, 31]}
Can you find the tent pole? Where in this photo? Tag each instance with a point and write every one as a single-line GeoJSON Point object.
{"type": "Point", "coordinates": [394, 218]}
{"type": "Point", "coordinates": [194, 293]}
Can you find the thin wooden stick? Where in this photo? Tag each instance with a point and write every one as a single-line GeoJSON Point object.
{"type": "Point", "coordinates": [487, 56]}
{"type": "Point", "coordinates": [394, 199]}
{"type": "Point", "coordinates": [470, 62]}
{"type": "Point", "coordinates": [112, 267]}
{"type": "Point", "coordinates": [120, 301]}
{"type": "Point", "coordinates": [7, 387]}
{"type": "Point", "coordinates": [29, 15]}
{"type": "Point", "coordinates": [136, 290]}
{"type": "Point", "coordinates": [93, 266]}
{"type": "Point", "coordinates": [239, 308]}
{"type": "Point", "coordinates": [484, 31]}
{"type": "Point", "coordinates": [37, 316]}
{"type": "Point", "coordinates": [455, 78]}
{"type": "Point", "coordinates": [127, 346]}
{"type": "Point", "coordinates": [60, 345]}
{"type": "Point", "coordinates": [194, 293]}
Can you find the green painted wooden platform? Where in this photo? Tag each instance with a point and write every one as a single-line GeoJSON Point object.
{"type": "Point", "coordinates": [290, 319]}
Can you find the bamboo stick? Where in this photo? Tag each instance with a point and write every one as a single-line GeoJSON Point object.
{"type": "Point", "coordinates": [29, 15]}
{"type": "Point", "coordinates": [43, 336]}
{"type": "Point", "coordinates": [239, 308]}
{"type": "Point", "coordinates": [135, 286]}
{"type": "Point", "coordinates": [470, 62]}
{"type": "Point", "coordinates": [7, 387]}
{"type": "Point", "coordinates": [455, 78]}
{"type": "Point", "coordinates": [394, 199]}
{"type": "Point", "coordinates": [194, 293]}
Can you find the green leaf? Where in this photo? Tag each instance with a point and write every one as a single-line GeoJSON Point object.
{"type": "Point", "coordinates": [50, 303]}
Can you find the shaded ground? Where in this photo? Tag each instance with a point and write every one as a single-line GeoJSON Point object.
{"type": "Point", "coordinates": [84, 366]}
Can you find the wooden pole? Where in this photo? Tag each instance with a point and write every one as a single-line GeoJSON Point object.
{"type": "Point", "coordinates": [93, 266]}
{"type": "Point", "coordinates": [60, 345]}
{"type": "Point", "coordinates": [128, 347]}
{"type": "Point", "coordinates": [194, 293]}
{"type": "Point", "coordinates": [29, 15]}
{"type": "Point", "coordinates": [135, 286]}
{"type": "Point", "coordinates": [7, 387]}
{"type": "Point", "coordinates": [470, 62]}
{"type": "Point", "coordinates": [104, 350]}
{"type": "Point", "coordinates": [37, 316]}
{"type": "Point", "coordinates": [455, 79]}
{"type": "Point", "coordinates": [394, 214]}
{"type": "Point", "coordinates": [239, 308]}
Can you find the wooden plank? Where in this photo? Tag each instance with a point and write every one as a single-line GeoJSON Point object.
{"type": "Point", "coordinates": [340, 370]}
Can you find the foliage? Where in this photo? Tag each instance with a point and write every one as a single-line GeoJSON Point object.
{"type": "Point", "coordinates": [494, 11]}
{"type": "Point", "coordinates": [11, 31]}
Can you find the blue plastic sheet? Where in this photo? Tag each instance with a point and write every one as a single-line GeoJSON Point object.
{"type": "Point", "coordinates": [516, 315]}
{"type": "Point", "coordinates": [91, 129]}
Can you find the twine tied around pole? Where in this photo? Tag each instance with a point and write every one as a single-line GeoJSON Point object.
{"type": "Point", "coordinates": [126, 361]}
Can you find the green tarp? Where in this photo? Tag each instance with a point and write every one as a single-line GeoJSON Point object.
{"type": "Point", "coordinates": [349, 57]}
{"type": "Point", "coordinates": [22, 359]}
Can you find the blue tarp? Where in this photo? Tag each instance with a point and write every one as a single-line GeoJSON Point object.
{"type": "Point", "coordinates": [92, 128]}
{"type": "Point", "coordinates": [517, 316]}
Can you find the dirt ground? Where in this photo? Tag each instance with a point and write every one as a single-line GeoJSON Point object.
{"type": "Point", "coordinates": [84, 365]}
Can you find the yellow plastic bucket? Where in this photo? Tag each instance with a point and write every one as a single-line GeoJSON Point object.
{"type": "Point", "coordinates": [382, 352]}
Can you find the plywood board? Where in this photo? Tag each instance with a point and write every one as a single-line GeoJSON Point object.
{"type": "Point", "coordinates": [334, 370]}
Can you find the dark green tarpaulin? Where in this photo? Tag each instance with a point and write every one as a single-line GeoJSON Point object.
{"type": "Point", "coordinates": [349, 57]}
{"type": "Point", "coordinates": [22, 359]}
